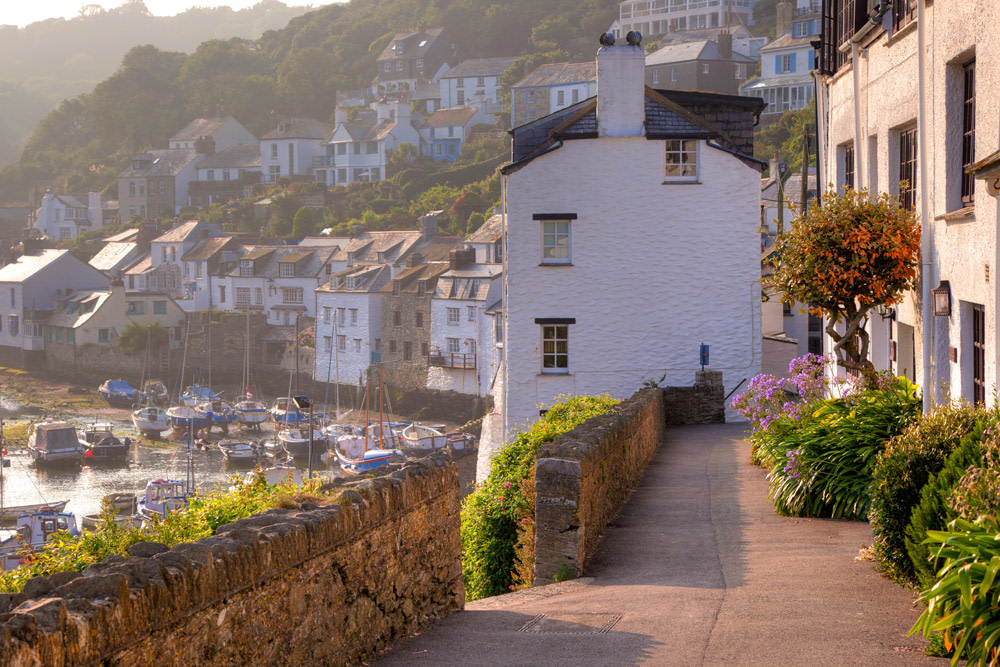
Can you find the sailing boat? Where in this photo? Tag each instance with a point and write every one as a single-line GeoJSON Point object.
{"type": "Point", "coordinates": [360, 458]}
{"type": "Point", "coordinates": [250, 412]}
{"type": "Point", "coordinates": [150, 420]}
{"type": "Point", "coordinates": [183, 416]}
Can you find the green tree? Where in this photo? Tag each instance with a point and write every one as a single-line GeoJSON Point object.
{"type": "Point", "coordinates": [138, 337]}
{"type": "Point", "coordinates": [847, 256]}
{"type": "Point", "coordinates": [303, 225]}
{"type": "Point", "coordinates": [784, 137]}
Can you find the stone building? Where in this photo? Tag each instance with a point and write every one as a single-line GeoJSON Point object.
{"type": "Point", "coordinates": [702, 65]}
{"type": "Point", "coordinates": [869, 127]}
{"type": "Point", "coordinates": [550, 88]}
{"type": "Point", "coordinates": [406, 322]}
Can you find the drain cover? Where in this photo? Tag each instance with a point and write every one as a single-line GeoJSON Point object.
{"type": "Point", "coordinates": [571, 624]}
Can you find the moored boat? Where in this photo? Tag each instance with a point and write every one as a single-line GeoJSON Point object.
{"type": "Point", "coordinates": [55, 443]}
{"type": "Point", "coordinates": [163, 496]}
{"type": "Point", "coordinates": [368, 461]}
{"type": "Point", "coordinates": [150, 419]}
{"type": "Point", "coordinates": [155, 391]}
{"type": "Point", "coordinates": [239, 450]}
{"type": "Point", "coordinates": [295, 442]}
{"type": "Point", "coordinates": [125, 506]}
{"type": "Point", "coordinates": [119, 393]}
{"type": "Point", "coordinates": [250, 412]}
{"type": "Point", "coordinates": [33, 531]}
{"type": "Point", "coordinates": [216, 412]}
{"type": "Point", "coordinates": [9, 515]}
{"type": "Point", "coordinates": [183, 417]}
{"type": "Point", "coordinates": [196, 394]}
{"type": "Point", "coordinates": [418, 437]}
{"type": "Point", "coordinates": [101, 445]}
{"type": "Point", "coordinates": [284, 411]}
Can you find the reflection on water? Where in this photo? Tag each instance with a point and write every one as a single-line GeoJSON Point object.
{"type": "Point", "coordinates": [24, 483]}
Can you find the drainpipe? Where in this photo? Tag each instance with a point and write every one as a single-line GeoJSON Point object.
{"type": "Point", "coordinates": [857, 111]}
{"type": "Point", "coordinates": [926, 245]}
{"type": "Point", "coordinates": [505, 358]}
{"type": "Point", "coordinates": [820, 88]}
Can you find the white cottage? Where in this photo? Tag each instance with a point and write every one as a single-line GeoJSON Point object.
{"type": "Point", "coordinates": [631, 239]}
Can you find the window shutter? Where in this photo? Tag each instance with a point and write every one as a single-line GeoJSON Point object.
{"type": "Point", "coordinates": [777, 64]}
{"type": "Point", "coordinates": [791, 62]}
{"type": "Point", "coordinates": [812, 60]}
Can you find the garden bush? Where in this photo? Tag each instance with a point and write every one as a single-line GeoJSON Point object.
{"type": "Point", "coordinates": [204, 515]}
{"type": "Point", "coordinates": [496, 516]}
{"type": "Point", "coordinates": [933, 511]}
{"type": "Point", "coordinates": [901, 471]}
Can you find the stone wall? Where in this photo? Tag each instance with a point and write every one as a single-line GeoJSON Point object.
{"type": "Point", "coordinates": [583, 478]}
{"type": "Point", "coordinates": [702, 403]}
{"type": "Point", "coordinates": [318, 585]}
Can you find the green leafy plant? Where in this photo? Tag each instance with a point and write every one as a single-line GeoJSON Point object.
{"type": "Point", "coordinates": [136, 337]}
{"type": "Point", "coordinates": [902, 469]}
{"type": "Point", "coordinates": [498, 515]}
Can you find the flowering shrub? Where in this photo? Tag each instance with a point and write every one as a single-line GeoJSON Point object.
{"type": "Point", "coordinates": [307, 337]}
{"type": "Point", "coordinates": [498, 517]}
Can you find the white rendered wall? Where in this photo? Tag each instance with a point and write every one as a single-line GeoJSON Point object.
{"type": "Point", "coordinates": [466, 381]}
{"type": "Point", "coordinates": [369, 328]}
{"type": "Point", "coordinates": [657, 270]}
{"type": "Point", "coordinates": [962, 249]}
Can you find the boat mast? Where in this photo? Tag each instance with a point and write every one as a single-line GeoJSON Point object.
{"type": "Point", "coordinates": [246, 359]}
{"type": "Point", "coordinates": [187, 332]}
{"type": "Point", "coordinates": [381, 435]}
{"type": "Point", "coordinates": [3, 450]}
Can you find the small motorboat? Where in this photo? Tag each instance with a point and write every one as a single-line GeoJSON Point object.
{"type": "Point", "coordinates": [242, 451]}
{"type": "Point", "coordinates": [337, 431]}
{"type": "Point", "coordinates": [418, 437]}
{"type": "Point", "coordinates": [125, 506]}
{"type": "Point", "coordinates": [183, 417]}
{"type": "Point", "coordinates": [150, 419]}
{"type": "Point", "coordinates": [155, 391]}
{"type": "Point", "coordinates": [55, 443]}
{"type": "Point", "coordinates": [163, 496]}
{"type": "Point", "coordinates": [284, 411]}
{"type": "Point", "coordinates": [274, 448]}
{"type": "Point", "coordinates": [119, 393]}
{"type": "Point", "coordinates": [33, 531]}
{"type": "Point", "coordinates": [368, 461]}
{"type": "Point", "coordinates": [295, 442]}
{"type": "Point", "coordinates": [250, 412]}
{"type": "Point", "coordinates": [10, 514]}
{"type": "Point", "coordinates": [196, 394]}
{"type": "Point", "coordinates": [101, 445]}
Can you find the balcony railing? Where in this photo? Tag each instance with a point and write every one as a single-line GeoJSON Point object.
{"type": "Point", "coordinates": [324, 161]}
{"type": "Point", "coordinates": [451, 359]}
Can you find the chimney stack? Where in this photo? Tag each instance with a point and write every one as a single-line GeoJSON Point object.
{"type": "Point", "coordinates": [340, 115]}
{"type": "Point", "coordinates": [205, 146]}
{"type": "Point", "coordinates": [461, 257]}
{"type": "Point", "coordinates": [621, 87]}
{"type": "Point", "coordinates": [429, 225]}
{"type": "Point", "coordinates": [725, 41]}
{"type": "Point", "coordinates": [784, 9]}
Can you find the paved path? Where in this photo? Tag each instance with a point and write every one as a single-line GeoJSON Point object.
{"type": "Point", "coordinates": [701, 571]}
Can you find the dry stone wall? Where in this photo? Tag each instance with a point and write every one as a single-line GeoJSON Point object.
{"type": "Point", "coordinates": [584, 477]}
{"type": "Point", "coordinates": [318, 585]}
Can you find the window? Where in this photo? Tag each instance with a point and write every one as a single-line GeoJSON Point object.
{"type": "Point", "coordinates": [131, 188]}
{"type": "Point", "coordinates": [354, 316]}
{"type": "Point", "coordinates": [211, 174]}
{"type": "Point", "coordinates": [849, 167]}
{"type": "Point", "coordinates": [387, 67]}
{"type": "Point", "coordinates": [656, 76]}
{"type": "Point", "coordinates": [576, 95]}
{"type": "Point", "coordinates": [529, 97]}
{"type": "Point", "coordinates": [274, 151]}
{"type": "Point", "coordinates": [968, 133]}
{"type": "Point", "coordinates": [242, 296]}
{"type": "Point", "coordinates": [471, 313]}
{"type": "Point", "coordinates": [341, 312]}
{"type": "Point", "coordinates": [741, 72]}
{"type": "Point", "coordinates": [357, 147]}
{"type": "Point", "coordinates": [159, 307]}
{"type": "Point", "coordinates": [357, 344]}
{"type": "Point", "coordinates": [498, 328]}
{"type": "Point", "coordinates": [418, 318]}
{"type": "Point", "coordinates": [142, 188]}
{"type": "Point", "coordinates": [378, 344]}
{"type": "Point", "coordinates": [12, 324]}
{"type": "Point", "coordinates": [286, 269]}
{"type": "Point", "coordinates": [103, 335]}
{"type": "Point", "coordinates": [392, 345]}
{"type": "Point", "coordinates": [471, 344]}
{"type": "Point", "coordinates": [420, 63]}
{"type": "Point", "coordinates": [423, 350]}
{"type": "Point", "coordinates": [529, 115]}
{"type": "Point", "coordinates": [979, 355]}
{"type": "Point", "coordinates": [704, 68]}
{"type": "Point", "coordinates": [71, 336]}
{"type": "Point", "coordinates": [59, 334]}
{"type": "Point", "coordinates": [399, 65]}
{"type": "Point", "coordinates": [454, 315]}
{"type": "Point", "coordinates": [561, 97]}
{"type": "Point", "coordinates": [908, 168]}
{"type": "Point", "coordinates": [134, 308]}
{"type": "Point", "coordinates": [453, 345]}
{"type": "Point", "coordinates": [555, 242]}
{"type": "Point", "coordinates": [291, 295]}
{"type": "Point", "coordinates": [397, 318]}
{"type": "Point", "coordinates": [481, 81]}
{"type": "Point", "coordinates": [327, 313]}
{"type": "Point", "coordinates": [258, 295]}
{"type": "Point", "coordinates": [673, 74]}
{"type": "Point", "coordinates": [555, 348]}
{"type": "Point", "coordinates": [681, 161]}
{"type": "Point", "coordinates": [903, 12]}
{"type": "Point", "coordinates": [437, 150]}
{"type": "Point", "coordinates": [371, 147]}
{"type": "Point", "coordinates": [328, 344]}
{"type": "Point", "coordinates": [786, 63]}
{"type": "Point", "coordinates": [407, 350]}
{"type": "Point", "coordinates": [222, 293]}
{"type": "Point", "coordinates": [342, 148]}
{"type": "Point", "coordinates": [459, 98]}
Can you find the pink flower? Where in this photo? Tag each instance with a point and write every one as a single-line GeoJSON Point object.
{"type": "Point", "coordinates": [506, 485]}
{"type": "Point", "coordinates": [501, 499]}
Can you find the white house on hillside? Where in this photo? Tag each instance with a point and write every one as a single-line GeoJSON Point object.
{"type": "Point", "coordinates": [288, 150]}
{"type": "Point", "coordinates": [473, 78]}
{"type": "Point", "coordinates": [225, 131]}
{"type": "Point", "coordinates": [164, 269]}
{"type": "Point", "coordinates": [64, 216]}
{"type": "Point", "coordinates": [358, 150]}
{"type": "Point", "coordinates": [349, 324]}
{"type": "Point", "coordinates": [632, 233]}
{"type": "Point", "coordinates": [447, 129]}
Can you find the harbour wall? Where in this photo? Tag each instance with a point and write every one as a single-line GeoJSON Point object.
{"type": "Point", "coordinates": [316, 585]}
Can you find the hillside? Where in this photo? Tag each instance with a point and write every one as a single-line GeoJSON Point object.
{"type": "Point", "coordinates": [49, 61]}
{"type": "Point", "coordinates": [296, 71]}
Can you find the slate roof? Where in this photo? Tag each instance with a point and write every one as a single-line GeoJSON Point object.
{"type": "Point", "coordinates": [556, 74]}
{"type": "Point", "coordinates": [458, 283]}
{"type": "Point", "coordinates": [414, 50]}
{"type": "Point", "coordinates": [704, 49]}
{"type": "Point", "coordinates": [410, 278]}
{"type": "Point", "coordinates": [74, 201]}
{"type": "Point", "coordinates": [313, 260]}
{"type": "Point", "coordinates": [366, 246]}
{"type": "Point", "coordinates": [367, 278]}
{"type": "Point", "coordinates": [26, 266]}
{"type": "Point", "coordinates": [452, 116]}
{"type": "Point", "coordinates": [142, 266]}
{"type": "Point", "coordinates": [239, 156]}
{"type": "Point", "coordinates": [438, 248]}
{"type": "Point", "coordinates": [162, 162]}
{"type": "Point", "coordinates": [78, 308]}
{"type": "Point", "coordinates": [206, 249]}
{"type": "Point", "coordinates": [182, 232]}
{"type": "Point", "coordinates": [300, 128]}
{"type": "Point", "coordinates": [480, 67]}
{"type": "Point", "coordinates": [792, 188]}
{"type": "Point", "coordinates": [127, 235]}
{"type": "Point", "coordinates": [787, 41]}
{"type": "Point", "coordinates": [200, 127]}
{"type": "Point", "coordinates": [113, 256]}
{"type": "Point", "coordinates": [489, 231]}
{"type": "Point", "coordinates": [426, 90]}
{"type": "Point", "coordinates": [729, 119]}
{"type": "Point", "coordinates": [790, 79]}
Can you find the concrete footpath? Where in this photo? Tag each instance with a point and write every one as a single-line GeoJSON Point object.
{"type": "Point", "coordinates": [697, 569]}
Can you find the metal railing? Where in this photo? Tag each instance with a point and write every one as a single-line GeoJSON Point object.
{"type": "Point", "coordinates": [451, 359]}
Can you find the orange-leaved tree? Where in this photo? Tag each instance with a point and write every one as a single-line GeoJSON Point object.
{"type": "Point", "coordinates": [844, 258]}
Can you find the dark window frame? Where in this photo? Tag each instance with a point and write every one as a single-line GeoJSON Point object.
{"type": "Point", "coordinates": [908, 168]}
{"type": "Point", "coordinates": [968, 132]}
{"type": "Point", "coordinates": [904, 12]}
{"type": "Point", "coordinates": [849, 166]}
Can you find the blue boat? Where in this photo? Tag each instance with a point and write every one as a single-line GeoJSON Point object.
{"type": "Point", "coordinates": [285, 411]}
{"type": "Point", "coordinates": [370, 460]}
{"type": "Point", "coordinates": [184, 416]}
{"type": "Point", "coordinates": [217, 412]}
{"type": "Point", "coordinates": [119, 393]}
{"type": "Point", "coordinates": [196, 394]}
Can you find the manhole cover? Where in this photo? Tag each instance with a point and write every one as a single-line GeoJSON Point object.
{"type": "Point", "coordinates": [571, 624]}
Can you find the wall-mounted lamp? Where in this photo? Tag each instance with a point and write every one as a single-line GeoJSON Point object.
{"type": "Point", "coordinates": [942, 299]}
{"type": "Point", "coordinates": [885, 312]}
